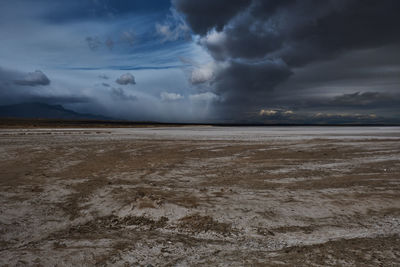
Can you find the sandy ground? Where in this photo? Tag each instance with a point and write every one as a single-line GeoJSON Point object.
{"type": "Point", "coordinates": [200, 196]}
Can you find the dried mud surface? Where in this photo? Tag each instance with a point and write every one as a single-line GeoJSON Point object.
{"type": "Point", "coordinates": [200, 196]}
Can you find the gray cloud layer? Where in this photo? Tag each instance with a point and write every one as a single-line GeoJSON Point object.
{"type": "Point", "coordinates": [331, 58]}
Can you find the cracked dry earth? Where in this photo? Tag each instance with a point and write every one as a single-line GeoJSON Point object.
{"type": "Point", "coordinates": [200, 196]}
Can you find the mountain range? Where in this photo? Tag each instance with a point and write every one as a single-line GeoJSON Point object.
{"type": "Point", "coordinates": [44, 111]}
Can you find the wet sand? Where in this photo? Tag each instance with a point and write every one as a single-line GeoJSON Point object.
{"type": "Point", "coordinates": [200, 196]}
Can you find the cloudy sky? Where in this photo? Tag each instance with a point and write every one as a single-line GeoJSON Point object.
{"type": "Point", "coordinates": [238, 61]}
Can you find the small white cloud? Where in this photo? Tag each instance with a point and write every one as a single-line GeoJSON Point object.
{"type": "Point", "coordinates": [126, 79]}
{"type": "Point", "coordinates": [202, 74]}
{"type": "Point", "coordinates": [93, 42]}
{"type": "Point", "coordinates": [204, 97]}
{"type": "Point", "coordinates": [33, 79]}
{"type": "Point", "coordinates": [268, 112]}
{"type": "Point", "coordinates": [274, 112]}
{"type": "Point", "coordinates": [170, 96]}
{"type": "Point", "coordinates": [129, 37]}
{"type": "Point", "coordinates": [110, 43]}
{"type": "Point", "coordinates": [214, 38]}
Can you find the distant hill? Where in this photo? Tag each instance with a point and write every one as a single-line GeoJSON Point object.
{"type": "Point", "coordinates": [44, 111]}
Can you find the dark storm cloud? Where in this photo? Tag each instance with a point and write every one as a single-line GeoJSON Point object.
{"type": "Point", "coordinates": [33, 79]}
{"type": "Point", "coordinates": [369, 99]}
{"type": "Point", "coordinates": [260, 42]}
{"type": "Point", "coordinates": [258, 28]}
{"type": "Point", "coordinates": [251, 78]}
{"type": "Point", "coordinates": [204, 15]}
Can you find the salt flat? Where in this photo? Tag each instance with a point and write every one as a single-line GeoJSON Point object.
{"type": "Point", "coordinates": [200, 195]}
{"type": "Point", "coordinates": [227, 133]}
